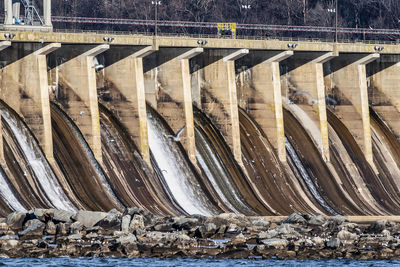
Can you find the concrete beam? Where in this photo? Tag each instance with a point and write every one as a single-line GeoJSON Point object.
{"type": "Point", "coordinates": [96, 50]}
{"type": "Point", "coordinates": [24, 87]}
{"type": "Point", "coordinates": [4, 45]}
{"type": "Point", "coordinates": [236, 55]}
{"type": "Point", "coordinates": [191, 53]}
{"type": "Point", "coordinates": [78, 93]}
{"type": "Point", "coordinates": [48, 49]}
{"type": "Point", "coordinates": [280, 57]}
{"type": "Point", "coordinates": [144, 52]}
{"type": "Point", "coordinates": [325, 58]}
{"type": "Point", "coordinates": [367, 59]}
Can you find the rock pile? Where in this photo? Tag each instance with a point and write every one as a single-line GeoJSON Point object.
{"type": "Point", "coordinates": [136, 233]}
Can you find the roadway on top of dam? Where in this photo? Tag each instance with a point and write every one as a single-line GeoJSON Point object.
{"type": "Point", "coordinates": [188, 41]}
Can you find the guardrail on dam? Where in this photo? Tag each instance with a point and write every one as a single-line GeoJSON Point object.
{"type": "Point", "coordinates": [123, 72]}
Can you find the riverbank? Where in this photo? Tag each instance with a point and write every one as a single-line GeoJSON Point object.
{"type": "Point", "coordinates": [135, 233]}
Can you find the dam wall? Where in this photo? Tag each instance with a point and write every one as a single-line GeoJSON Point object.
{"type": "Point", "coordinates": [80, 70]}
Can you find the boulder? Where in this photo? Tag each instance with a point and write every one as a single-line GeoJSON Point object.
{"type": "Point", "coordinates": [63, 229]}
{"type": "Point", "coordinates": [89, 218]}
{"type": "Point", "coordinates": [43, 215]}
{"type": "Point", "coordinates": [294, 218]}
{"type": "Point", "coordinates": [76, 236]}
{"type": "Point", "coordinates": [277, 243]}
{"type": "Point", "coordinates": [317, 220]}
{"type": "Point", "coordinates": [51, 228]}
{"type": "Point", "coordinates": [16, 220]}
{"type": "Point", "coordinates": [137, 222]}
{"type": "Point", "coordinates": [33, 230]}
{"type": "Point", "coordinates": [10, 244]}
{"type": "Point", "coordinates": [126, 220]}
{"type": "Point", "coordinates": [62, 216]}
{"type": "Point", "coordinates": [333, 243]}
{"type": "Point", "coordinates": [336, 221]}
{"type": "Point", "coordinates": [127, 239]}
{"type": "Point", "coordinates": [76, 227]}
{"type": "Point", "coordinates": [182, 223]}
{"type": "Point", "coordinates": [344, 235]}
{"type": "Point", "coordinates": [132, 211]}
{"type": "Point", "coordinates": [260, 223]}
{"type": "Point", "coordinates": [111, 222]}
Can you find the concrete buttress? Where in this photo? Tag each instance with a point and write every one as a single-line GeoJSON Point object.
{"type": "Point", "coordinates": [218, 94]}
{"type": "Point", "coordinates": [123, 93]}
{"type": "Point", "coordinates": [384, 90]}
{"type": "Point", "coordinates": [77, 90]}
{"type": "Point", "coordinates": [349, 88]}
{"type": "Point", "coordinates": [305, 87]}
{"type": "Point", "coordinates": [24, 87]}
{"type": "Point", "coordinates": [260, 94]}
{"type": "Point", "coordinates": [168, 90]}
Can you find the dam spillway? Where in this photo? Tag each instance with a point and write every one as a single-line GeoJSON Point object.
{"type": "Point", "coordinates": [268, 128]}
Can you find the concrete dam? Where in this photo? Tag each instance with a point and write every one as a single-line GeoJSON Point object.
{"type": "Point", "coordinates": [182, 125]}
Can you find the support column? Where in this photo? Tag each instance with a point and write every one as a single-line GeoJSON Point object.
{"type": "Point", "coordinates": [78, 95]}
{"type": "Point", "coordinates": [168, 82]}
{"type": "Point", "coordinates": [260, 94]}
{"type": "Point", "coordinates": [24, 87]}
{"type": "Point", "coordinates": [16, 7]}
{"type": "Point", "coordinates": [8, 16]}
{"type": "Point", "coordinates": [125, 97]}
{"type": "Point", "coordinates": [219, 94]}
{"type": "Point", "coordinates": [188, 103]}
{"type": "Point", "coordinates": [47, 13]}
{"type": "Point", "coordinates": [351, 81]}
{"type": "Point", "coordinates": [306, 88]}
{"type": "Point", "coordinates": [320, 86]}
{"type": "Point", "coordinates": [384, 90]}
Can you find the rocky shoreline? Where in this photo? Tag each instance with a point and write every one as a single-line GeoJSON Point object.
{"type": "Point", "coordinates": [136, 233]}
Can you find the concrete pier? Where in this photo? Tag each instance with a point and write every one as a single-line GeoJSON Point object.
{"type": "Point", "coordinates": [168, 89]}
{"type": "Point", "coordinates": [77, 91]}
{"type": "Point", "coordinates": [122, 91]}
{"type": "Point", "coordinates": [218, 93]}
{"type": "Point", "coordinates": [305, 87]}
{"type": "Point", "coordinates": [350, 89]}
{"type": "Point", "coordinates": [24, 87]}
{"type": "Point", "coordinates": [260, 94]}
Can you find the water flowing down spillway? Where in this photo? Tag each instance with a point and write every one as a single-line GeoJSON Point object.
{"type": "Point", "coordinates": [325, 183]}
{"type": "Point", "coordinates": [85, 177]}
{"type": "Point", "coordinates": [175, 169]}
{"type": "Point", "coordinates": [275, 182]}
{"type": "Point", "coordinates": [46, 183]}
{"type": "Point", "coordinates": [217, 174]}
{"type": "Point", "coordinates": [234, 177]}
{"type": "Point", "coordinates": [292, 154]}
{"type": "Point", "coordinates": [373, 183]}
{"type": "Point", "coordinates": [7, 194]}
{"type": "Point", "coordinates": [128, 174]}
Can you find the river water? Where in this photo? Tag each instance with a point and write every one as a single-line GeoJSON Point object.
{"type": "Point", "coordinates": [148, 262]}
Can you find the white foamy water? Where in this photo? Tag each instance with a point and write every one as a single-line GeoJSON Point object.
{"type": "Point", "coordinates": [306, 177]}
{"type": "Point", "coordinates": [8, 196]}
{"type": "Point", "coordinates": [176, 172]}
{"type": "Point", "coordinates": [212, 180]}
{"type": "Point", "coordinates": [42, 170]}
{"type": "Point", "coordinates": [216, 171]}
